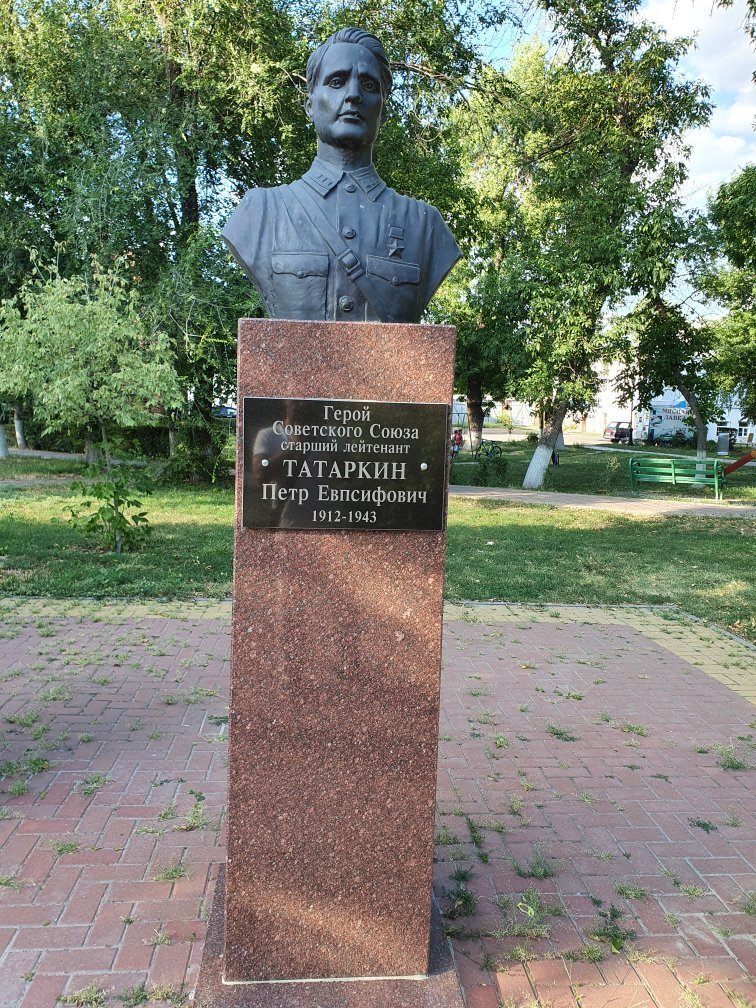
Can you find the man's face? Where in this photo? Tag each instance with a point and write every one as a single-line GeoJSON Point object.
{"type": "Point", "coordinates": [346, 103]}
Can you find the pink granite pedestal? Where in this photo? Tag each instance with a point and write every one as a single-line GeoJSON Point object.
{"type": "Point", "coordinates": [333, 723]}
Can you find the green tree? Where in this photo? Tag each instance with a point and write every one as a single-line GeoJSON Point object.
{"type": "Point", "coordinates": [578, 161]}
{"type": "Point", "coordinates": [128, 128]}
{"type": "Point", "coordinates": [80, 347]}
{"type": "Point", "coordinates": [662, 348]}
{"type": "Point", "coordinates": [733, 284]}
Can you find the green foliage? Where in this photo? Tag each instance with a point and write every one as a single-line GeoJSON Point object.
{"type": "Point", "coordinates": [115, 520]}
{"type": "Point", "coordinates": [490, 472]}
{"type": "Point", "coordinates": [631, 890]}
{"type": "Point", "coordinates": [728, 759]}
{"type": "Point", "coordinates": [733, 285]}
{"type": "Point", "coordinates": [563, 734]}
{"type": "Point", "coordinates": [462, 901]}
{"type": "Point", "coordinates": [705, 824]}
{"type": "Point", "coordinates": [539, 866]}
{"type": "Point", "coordinates": [445, 837]}
{"type": "Point", "coordinates": [89, 997]}
{"type": "Point", "coordinates": [81, 348]}
{"type": "Point", "coordinates": [587, 953]}
{"type": "Point", "coordinates": [577, 161]}
{"type": "Point", "coordinates": [171, 874]}
{"type": "Point", "coordinates": [609, 929]}
{"type": "Point", "coordinates": [129, 130]}
{"type": "Point", "coordinates": [529, 919]}
{"type": "Point", "coordinates": [663, 348]}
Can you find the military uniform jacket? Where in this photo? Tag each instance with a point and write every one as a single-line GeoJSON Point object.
{"type": "Point", "coordinates": [402, 244]}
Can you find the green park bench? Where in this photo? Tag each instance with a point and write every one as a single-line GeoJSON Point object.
{"type": "Point", "coordinates": [709, 472]}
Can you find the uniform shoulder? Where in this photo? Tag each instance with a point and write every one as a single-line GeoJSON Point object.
{"type": "Point", "coordinates": [255, 197]}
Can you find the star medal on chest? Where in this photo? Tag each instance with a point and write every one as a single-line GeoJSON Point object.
{"type": "Point", "coordinates": [396, 241]}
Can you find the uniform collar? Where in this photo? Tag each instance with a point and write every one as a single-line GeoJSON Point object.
{"type": "Point", "coordinates": [322, 177]}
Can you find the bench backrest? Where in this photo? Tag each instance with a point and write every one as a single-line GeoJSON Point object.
{"type": "Point", "coordinates": [679, 470]}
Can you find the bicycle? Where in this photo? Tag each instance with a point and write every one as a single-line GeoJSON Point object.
{"type": "Point", "coordinates": [487, 450]}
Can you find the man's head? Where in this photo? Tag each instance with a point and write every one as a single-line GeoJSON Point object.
{"type": "Point", "coordinates": [352, 36]}
{"type": "Point", "coordinates": [348, 82]}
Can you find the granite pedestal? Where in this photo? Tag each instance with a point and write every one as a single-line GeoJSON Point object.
{"type": "Point", "coordinates": [333, 722]}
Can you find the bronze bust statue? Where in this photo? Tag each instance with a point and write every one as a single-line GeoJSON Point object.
{"type": "Point", "coordinates": [338, 244]}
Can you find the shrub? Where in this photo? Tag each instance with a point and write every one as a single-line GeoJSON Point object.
{"type": "Point", "coordinates": [114, 493]}
{"type": "Point", "coordinates": [492, 472]}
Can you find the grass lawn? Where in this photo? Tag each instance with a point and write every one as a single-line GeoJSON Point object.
{"type": "Point", "coordinates": [664, 450]}
{"type": "Point", "coordinates": [582, 470]}
{"type": "Point", "coordinates": [495, 551]}
{"type": "Point", "coordinates": [189, 553]}
{"type": "Point", "coordinates": [21, 467]}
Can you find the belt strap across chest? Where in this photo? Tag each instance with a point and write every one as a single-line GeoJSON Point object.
{"type": "Point", "coordinates": [299, 192]}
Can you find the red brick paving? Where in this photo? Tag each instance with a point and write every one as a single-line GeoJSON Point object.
{"type": "Point", "coordinates": [599, 808]}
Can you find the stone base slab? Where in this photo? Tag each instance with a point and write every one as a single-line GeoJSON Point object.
{"type": "Point", "coordinates": [439, 990]}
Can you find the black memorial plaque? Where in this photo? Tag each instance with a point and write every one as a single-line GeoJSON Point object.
{"type": "Point", "coordinates": [343, 464]}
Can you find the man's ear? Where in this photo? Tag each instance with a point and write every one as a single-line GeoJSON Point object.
{"type": "Point", "coordinates": [308, 107]}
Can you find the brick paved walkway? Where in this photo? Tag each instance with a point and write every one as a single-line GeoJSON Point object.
{"type": "Point", "coordinates": [111, 719]}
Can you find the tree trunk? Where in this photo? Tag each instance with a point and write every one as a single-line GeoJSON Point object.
{"type": "Point", "coordinates": [695, 409]}
{"type": "Point", "coordinates": [106, 448]}
{"type": "Point", "coordinates": [201, 408]}
{"type": "Point", "coordinates": [172, 441]}
{"type": "Point", "coordinates": [18, 423]}
{"type": "Point", "coordinates": [4, 453]}
{"type": "Point", "coordinates": [542, 455]}
{"type": "Point", "coordinates": [475, 411]}
{"type": "Point", "coordinates": [91, 451]}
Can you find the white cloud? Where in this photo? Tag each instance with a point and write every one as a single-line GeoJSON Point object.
{"type": "Point", "coordinates": [721, 55]}
{"type": "Point", "coordinates": [723, 59]}
{"type": "Point", "coordinates": [737, 116]}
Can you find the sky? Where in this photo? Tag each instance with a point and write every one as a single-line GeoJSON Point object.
{"type": "Point", "coordinates": [723, 58]}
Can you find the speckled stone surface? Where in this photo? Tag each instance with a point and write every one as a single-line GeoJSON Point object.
{"type": "Point", "coordinates": [439, 990]}
{"type": "Point", "coordinates": [335, 689]}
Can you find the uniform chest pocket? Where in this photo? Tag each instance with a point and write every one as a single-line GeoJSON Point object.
{"type": "Point", "coordinates": [299, 284]}
{"type": "Point", "coordinates": [402, 284]}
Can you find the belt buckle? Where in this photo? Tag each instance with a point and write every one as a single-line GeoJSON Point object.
{"type": "Point", "coordinates": [352, 265]}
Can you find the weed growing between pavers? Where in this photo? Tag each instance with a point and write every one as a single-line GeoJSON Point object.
{"type": "Point", "coordinates": [727, 759]}
{"type": "Point", "coordinates": [171, 873]}
{"type": "Point", "coordinates": [609, 928]}
{"type": "Point", "coordinates": [92, 783]}
{"type": "Point", "coordinates": [705, 824]}
{"type": "Point", "coordinates": [62, 847]}
{"type": "Point", "coordinates": [562, 734]}
{"type": "Point", "coordinates": [693, 891]}
{"type": "Point", "coordinates": [529, 917]}
{"type": "Point", "coordinates": [462, 901]}
{"type": "Point", "coordinates": [88, 997]}
{"type": "Point", "coordinates": [631, 890]}
{"type": "Point", "coordinates": [134, 997]}
{"type": "Point", "coordinates": [539, 866]}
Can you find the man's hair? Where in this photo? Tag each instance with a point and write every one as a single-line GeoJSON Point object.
{"type": "Point", "coordinates": [356, 36]}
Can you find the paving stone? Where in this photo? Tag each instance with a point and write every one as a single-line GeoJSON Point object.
{"type": "Point", "coordinates": [606, 809]}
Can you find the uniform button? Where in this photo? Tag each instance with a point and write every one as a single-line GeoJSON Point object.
{"type": "Point", "coordinates": [350, 187]}
{"type": "Point", "coordinates": [395, 281]}
{"type": "Point", "coordinates": [346, 303]}
{"type": "Point", "coordinates": [348, 232]}
{"type": "Point", "coordinates": [300, 273]}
